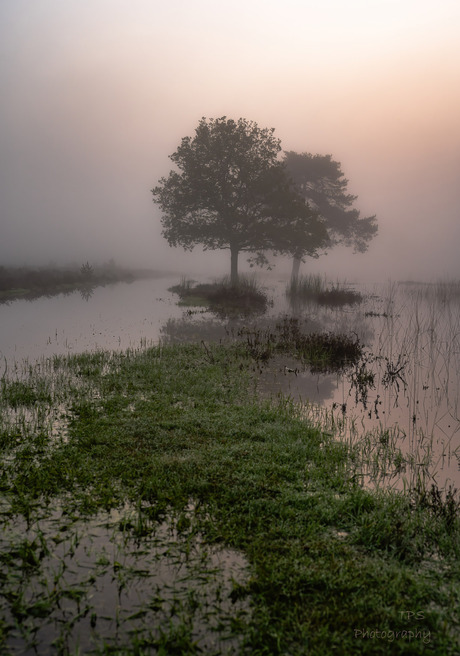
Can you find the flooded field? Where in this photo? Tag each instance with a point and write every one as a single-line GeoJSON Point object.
{"type": "Point", "coordinates": [403, 391]}
{"type": "Point", "coordinates": [99, 583]}
{"type": "Point", "coordinates": [82, 579]}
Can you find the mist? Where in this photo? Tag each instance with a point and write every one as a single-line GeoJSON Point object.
{"type": "Point", "coordinates": [96, 96]}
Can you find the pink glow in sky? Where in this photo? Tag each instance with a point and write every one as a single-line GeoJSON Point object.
{"type": "Point", "coordinates": [96, 95]}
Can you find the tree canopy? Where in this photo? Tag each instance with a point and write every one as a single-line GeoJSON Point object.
{"type": "Point", "coordinates": [232, 192]}
{"type": "Point", "coordinates": [321, 182]}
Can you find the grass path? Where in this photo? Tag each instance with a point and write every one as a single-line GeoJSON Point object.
{"type": "Point", "coordinates": [177, 434]}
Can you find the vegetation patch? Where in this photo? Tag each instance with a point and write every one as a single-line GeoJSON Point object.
{"type": "Point", "coordinates": [223, 297]}
{"type": "Point", "coordinates": [18, 393]}
{"type": "Point", "coordinates": [315, 289]}
{"type": "Point", "coordinates": [168, 454]}
{"type": "Point", "coordinates": [319, 351]}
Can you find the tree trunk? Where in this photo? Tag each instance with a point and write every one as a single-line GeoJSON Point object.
{"type": "Point", "coordinates": [296, 260]}
{"type": "Point", "coordinates": [234, 250]}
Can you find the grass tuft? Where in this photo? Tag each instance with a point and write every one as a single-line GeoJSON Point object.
{"type": "Point", "coordinates": [314, 288]}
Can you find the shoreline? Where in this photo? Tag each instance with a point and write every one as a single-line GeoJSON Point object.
{"type": "Point", "coordinates": [30, 283]}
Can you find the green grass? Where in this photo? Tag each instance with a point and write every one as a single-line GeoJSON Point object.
{"type": "Point", "coordinates": [19, 393]}
{"type": "Point", "coordinates": [177, 433]}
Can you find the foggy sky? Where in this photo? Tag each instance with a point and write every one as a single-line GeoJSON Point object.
{"type": "Point", "coordinates": [96, 95]}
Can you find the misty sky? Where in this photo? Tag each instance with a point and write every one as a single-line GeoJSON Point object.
{"type": "Point", "coordinates": [97, 93]}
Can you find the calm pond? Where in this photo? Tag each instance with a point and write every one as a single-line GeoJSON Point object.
{"type": "Point", "coordinates": [404, 392]}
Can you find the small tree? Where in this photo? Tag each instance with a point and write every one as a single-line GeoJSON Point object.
{"type": "Point", "coordinates": [87, 271]}
{"type": "Point", "coordinates": [231, 191]}
{"type": "Point", "coordinates": [321, 182]}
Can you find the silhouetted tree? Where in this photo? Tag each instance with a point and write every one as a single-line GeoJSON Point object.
{"type": "Point", "coordinates": [231, 192]}
{"type": "Point", "coordinates": [321, 182]}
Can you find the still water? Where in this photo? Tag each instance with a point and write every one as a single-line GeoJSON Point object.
{"type": "Point", "coordinates": [404, 391]}
{"type": "Point", "coordinates": [114, 317]}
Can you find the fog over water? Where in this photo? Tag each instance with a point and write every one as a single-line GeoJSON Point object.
{"type": "Point", "coordinates": [96, 95]}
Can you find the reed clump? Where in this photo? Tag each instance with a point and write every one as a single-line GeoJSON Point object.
{"type": "Point", "coordinates": [315, 288]}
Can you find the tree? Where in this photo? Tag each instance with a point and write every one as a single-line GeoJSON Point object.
{"type": "Point", "coordinates": [230, 192]}
{"type": "Point", "coordinates": [321, 182]}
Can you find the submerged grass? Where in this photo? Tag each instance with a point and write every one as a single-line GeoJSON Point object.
{"type": "Point", "coordinates": [320, 351]}
{"type": "Point", "coordinates": [177, 433]}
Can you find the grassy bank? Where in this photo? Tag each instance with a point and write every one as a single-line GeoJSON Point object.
{"type": "Point", "coordinates": [33, 282]}
{"type": "Point", "coordinates": [177, 459]}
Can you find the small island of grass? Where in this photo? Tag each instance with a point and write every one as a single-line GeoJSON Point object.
{"type": "Point", "coordinates": [223, 297]}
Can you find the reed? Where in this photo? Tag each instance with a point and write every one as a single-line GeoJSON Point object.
{"type": "Point", "coordinates": [315, 289]}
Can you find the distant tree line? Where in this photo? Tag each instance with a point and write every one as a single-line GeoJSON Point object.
{"type": "Point", "coordinates": [30, 281]}
{"type": "Point", "coordinates": [32, 278]}
{"type": "Point", "coordinates": [232, 191]}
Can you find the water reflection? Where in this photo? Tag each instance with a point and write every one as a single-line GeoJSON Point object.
{"type": "Point", "coordinates": [115, 317]}
{"type": "Point", "coordinates": [283, 376]}
{"type": "Point", "coordinates": [188, 329]}
{"type": "Point", "coordinates": [87, 291]}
